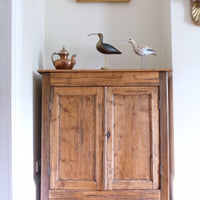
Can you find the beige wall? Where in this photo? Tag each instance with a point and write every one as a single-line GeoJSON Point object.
{"type": "Point", "coordinates": [148, 21]}
{"type": "Point", "coordinates": [68, 23]}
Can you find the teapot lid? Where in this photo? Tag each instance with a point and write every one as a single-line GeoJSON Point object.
{"type": "Point", "coordinates": [63, 51]}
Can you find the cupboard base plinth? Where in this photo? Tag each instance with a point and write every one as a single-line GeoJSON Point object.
{"type": "Point", "coordinates": [105, 195]}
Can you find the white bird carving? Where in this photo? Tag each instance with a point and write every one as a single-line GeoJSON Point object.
{"type": "Point", "coordinates": [141, 51]}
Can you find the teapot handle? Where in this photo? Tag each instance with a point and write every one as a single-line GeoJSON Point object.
{"type": "Point", "coordinates": [52, 57]}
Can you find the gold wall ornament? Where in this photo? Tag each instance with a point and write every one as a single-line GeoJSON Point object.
{"type": "Point", "coordinates": [195, 11]}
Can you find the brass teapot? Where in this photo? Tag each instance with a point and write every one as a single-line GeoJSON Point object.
{"type": "Point", "coordinates": [63, 62]}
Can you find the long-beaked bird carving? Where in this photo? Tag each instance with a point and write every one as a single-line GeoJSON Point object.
{"type": "Point", "coordinates": [104, 47]}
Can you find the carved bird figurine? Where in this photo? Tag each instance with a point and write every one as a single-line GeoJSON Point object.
{"type": "Point", "coordinates": [105, 48]}
{"type": "Point", "coordinates": [142, 51]}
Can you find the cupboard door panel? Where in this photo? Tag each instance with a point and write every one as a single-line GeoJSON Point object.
{"type": "Point", "coordinates": [132, 139]}
{"type": "Point", "coordinates": [76, 138]}
{"type": "Point", "coordinates": [133, 147]}
{"type": "Point", "coordinates": [79, 143]}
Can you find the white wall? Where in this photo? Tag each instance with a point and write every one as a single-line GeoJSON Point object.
{"type": "Point", "coordinates": [27, 58]}
{"type": "Point", "coordinates": [68, 23]}
{"type": "Point", "coordinates": [186, 64]}
{"type": "Point", "coordinates": [5, 100]}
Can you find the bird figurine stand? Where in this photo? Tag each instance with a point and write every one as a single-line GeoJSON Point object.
{"type": "Point", "coordinates": [105, 48]}
{"type": "Point", "coordinates": [143, 62]}
{"type": "Point", "coordinates": [142, 51]}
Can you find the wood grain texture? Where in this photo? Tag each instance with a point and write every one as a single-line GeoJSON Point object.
{"type": "Point", "coordinates": [171, 135]}
{"type": "Point", "coordinates": [155, 159]}
{"type": "Point", "coordinates": [100, 114]}
{"type": "Point", "coordinates": [133, 147]}
{"type": "Point", "coordinates": [42, 71]}
{"type": "Point", "coordinates": [110, 140]}
{"type": "Point", "coordinates": [105, 150]}
{"type": "Point", "coordinates": [85, 163]}
{"type": "Point", "coordinates": [76, 138]}
{"type": "Point", "coordinates": [107, 195]}
{"type": "Point", "coordinates": [45, 137]}
{"type": "Point", "coordinates": [105, 79]}
{"type": "Point", "coordinates": [164, 137]}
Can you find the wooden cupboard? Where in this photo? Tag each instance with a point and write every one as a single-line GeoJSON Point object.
{"type": "Point", "coordinates": [105, 135]}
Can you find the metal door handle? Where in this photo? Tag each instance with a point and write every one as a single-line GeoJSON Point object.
{"type": "Point", "coordinates": [108, 134]}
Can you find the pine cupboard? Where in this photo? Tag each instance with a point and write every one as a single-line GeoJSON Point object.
{"type": "Point", "coordinates": [105, 135]}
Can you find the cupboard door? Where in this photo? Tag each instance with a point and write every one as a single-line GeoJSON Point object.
{"type": "Point", "coordinates": [76, 138]}
{"type": "Point", "coordinates": [133, 145]}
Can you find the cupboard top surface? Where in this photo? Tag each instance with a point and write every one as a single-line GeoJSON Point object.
{"type": "Point", "coordinates": [41, 71]}
{"type": "Point", "coordinates": [103, 77]}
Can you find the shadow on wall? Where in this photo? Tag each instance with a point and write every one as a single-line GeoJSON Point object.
{"type": "Point", "coordinates": [40, 65]}
{"type": "Point", "coordinates": [185, 4]}
{"type": "Point", "coordinates": [187, 14]}
{"type": "Point", "coordinates": [37, 90]}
